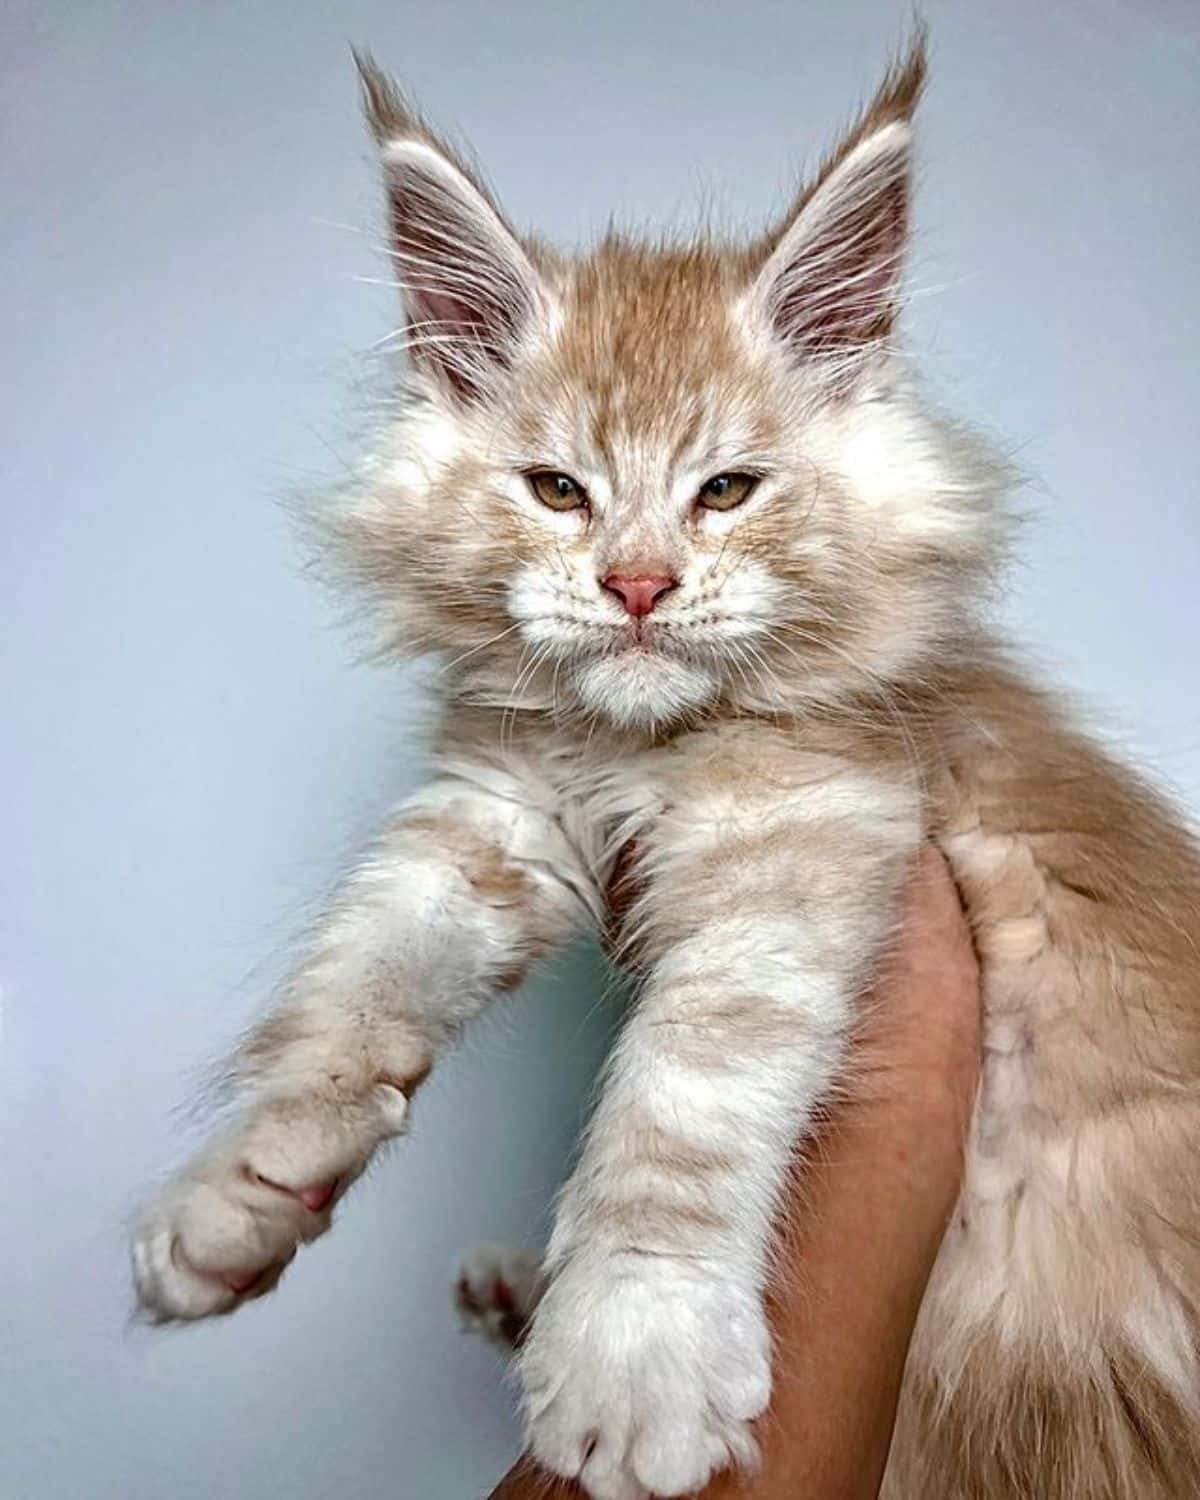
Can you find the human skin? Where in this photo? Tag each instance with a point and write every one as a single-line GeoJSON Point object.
{"type": "Point", "coordinates": [869, 1202]}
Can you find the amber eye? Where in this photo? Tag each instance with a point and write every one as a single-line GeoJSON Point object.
{"type": "Point", "coordinates": [558, 491]}
{"type": "Point", "coordinates": [726, 491]}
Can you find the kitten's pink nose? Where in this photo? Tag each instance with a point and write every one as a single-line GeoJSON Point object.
{"type": "Point", "coordinates": [638, 595]}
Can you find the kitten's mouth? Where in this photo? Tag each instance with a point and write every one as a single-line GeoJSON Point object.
{"type": "Point", "coordinates": [644, 677]}
{"type": "Point", "coordinates": [646, 641]}
{"type": "Point", "coordinates": [637, 648]}
{"type": "Point", "coordinates": [642, 637]}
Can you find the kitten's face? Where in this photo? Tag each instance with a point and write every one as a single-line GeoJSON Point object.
{"type": "Point", "coordinates": [655, 473]}
{"type": "Point", "coordinates": [651, 483]}
{"type": "Point", "coordinates": [675, 532]}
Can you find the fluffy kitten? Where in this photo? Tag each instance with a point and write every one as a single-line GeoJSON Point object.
{"type": "Point", "coordinates": [707, 572]}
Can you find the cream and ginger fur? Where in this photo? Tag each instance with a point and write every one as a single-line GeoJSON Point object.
{"type": "Point", "coordinates": [817, 693]}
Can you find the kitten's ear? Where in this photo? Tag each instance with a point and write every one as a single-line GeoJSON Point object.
{"type": "Point", "coordinates": [470, 289]}
{"type": "Point", "coordinates": [830, 284]}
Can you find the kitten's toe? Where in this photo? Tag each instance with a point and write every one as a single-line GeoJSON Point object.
{"type": "Point", "coordinates": [226, 1229]}
{"type": "Point", "coordinates": [643, 1376]}
{"type": "Point", "coordinates": [208, 1246]}
{"type": "Point", "coordinates": [496, 1292]}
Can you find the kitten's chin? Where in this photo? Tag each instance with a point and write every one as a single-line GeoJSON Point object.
{"type": "Point", "coordinates": [637, 689]}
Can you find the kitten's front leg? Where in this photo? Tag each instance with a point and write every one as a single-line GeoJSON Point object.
{"type": "Point", "coordinates": [649, 1354]}
{"type": "Point", "coordinates": [464, 889]}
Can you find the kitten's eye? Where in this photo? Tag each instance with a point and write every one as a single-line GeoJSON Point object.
{"type": "Point", "coordinates": [558, 491]}
{"type": "Point", "coordinates": [727, 491]}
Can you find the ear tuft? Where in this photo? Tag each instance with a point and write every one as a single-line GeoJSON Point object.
{"type": "Point", "coordinates": [830, 281]}
{"type": "Point", "coordinates": [388, 113]}
{"type": "Point", "coordinates": [895, 102]}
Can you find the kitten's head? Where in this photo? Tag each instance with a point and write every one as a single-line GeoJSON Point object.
{"type": "Point", "coordinates": [654, 481]}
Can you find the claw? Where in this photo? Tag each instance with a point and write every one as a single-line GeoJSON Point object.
{"type": "Point", "coordinates": [316, 1197]}
{"type": "Point", "coordinates": [319, 1196]}
{"type": "Point", "coordinates": [239, 1285]}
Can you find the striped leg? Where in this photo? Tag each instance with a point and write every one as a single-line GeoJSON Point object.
{"type": "Point", "coordinates": [463, 890]}
{"type": "Point", "coordinates": [649, 1354]}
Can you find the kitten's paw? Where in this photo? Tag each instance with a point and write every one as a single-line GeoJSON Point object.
{"type": "Point", "coordinates": [496, 1292]}
{"type": "Point", "coordinates": [225, 1230]}
{"type": "Point", "coordinates": [642, 1375]}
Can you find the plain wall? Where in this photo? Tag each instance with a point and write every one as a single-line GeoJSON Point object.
{"type": "Point", "coordinates": [188, 750]}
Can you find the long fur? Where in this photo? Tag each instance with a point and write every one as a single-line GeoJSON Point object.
{"type": "Point", "coordinates": [819, 692]}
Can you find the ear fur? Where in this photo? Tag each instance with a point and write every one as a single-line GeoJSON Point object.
{"type": "Point", "coordinates": [829, 283]}
{"type": "Point", "coordinates": [469, 286]}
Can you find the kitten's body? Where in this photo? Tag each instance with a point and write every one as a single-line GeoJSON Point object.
{"type": "Point", "coordinates": [1056, 1353]}
{"type": "Point", "coordinates": [812, 696]}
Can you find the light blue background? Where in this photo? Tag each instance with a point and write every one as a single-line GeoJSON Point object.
{"type": "Point", "coordinates": [188, 752]}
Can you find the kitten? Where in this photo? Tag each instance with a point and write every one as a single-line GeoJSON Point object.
{"type": "Point", "coordinates": [708, 573]}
